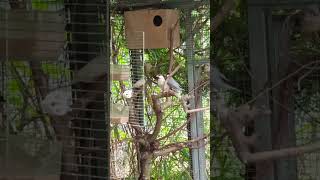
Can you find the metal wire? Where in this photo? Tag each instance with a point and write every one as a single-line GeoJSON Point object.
{"type": "Point", "coordinates": [48, 43]}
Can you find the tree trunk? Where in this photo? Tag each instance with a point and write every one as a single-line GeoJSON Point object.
{"type": "Point", "coordinates": [145, 165]}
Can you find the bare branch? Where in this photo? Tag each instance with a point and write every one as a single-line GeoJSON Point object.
{"type": "Point", "coordinates": [177, 129]}
{"type": "Point", "coordinates": [170, 148]}
{"type": "Point", "coordinates": [278, 154]}
{"type": "Point", "coordinates": [222, 13]}
{"type": "Point", "coordinates": [158, 111]}
{"type": "Point", "coordinates": [198, 109]}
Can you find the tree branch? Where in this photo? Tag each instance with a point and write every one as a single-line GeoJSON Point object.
{"type": "Point", "coordinates": [170, 148]}
{"type": "Point", "coordinates": [278, 154]}
{"type": "Point", "coordinates": [222, 13]}
{"type": "Point", "coordinates": [158, 111]}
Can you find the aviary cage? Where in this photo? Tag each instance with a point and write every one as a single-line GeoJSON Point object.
{"type": "Point", "coordinates": [283, 76]}
{"type": "Point", "coordinates": [60, 116]}
{"type": "Point", "coordinates": [141, 29]}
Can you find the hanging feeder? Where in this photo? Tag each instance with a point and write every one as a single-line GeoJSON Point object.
{"type": "Point", "coordinates": [31, 35]}
{"type": "Point", "coordinates": [119, 114]}
{"type": "Point", "coordinates": [120, 72]}
{"type": "Point", "coordinates": [156, 25]}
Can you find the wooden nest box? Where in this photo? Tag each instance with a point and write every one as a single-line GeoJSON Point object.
{"type": "Point", "coordinates": [31, 35]}
{"type": "Point", "coordinates": [152, 26]}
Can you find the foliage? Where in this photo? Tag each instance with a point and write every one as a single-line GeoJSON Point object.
{"type": "Point", "coordinates": [176, 165]}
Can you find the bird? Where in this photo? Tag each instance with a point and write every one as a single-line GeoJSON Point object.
{"type": "Point", "coordinates": [170, 85]}
{"type": "Point", "coordinates": [127, 94]}
{"type": "Point", "coordinates": [173, 84]}
{"type": "Point", "coordinates": [220, 82]}
{"type": "Point", "coordinates": [57, 102]}
{"type": "Point", "coordinates": [161, 81]}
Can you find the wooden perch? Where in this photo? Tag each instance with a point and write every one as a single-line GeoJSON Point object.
{"type": "Point", "coordinates": [171, 148]}
{"type": "Point", "coordinates": [198, 110]}
{"type": "Point", "coordinates": [281, 153]}
{"type": "Point", "coordinates": [158, 111]}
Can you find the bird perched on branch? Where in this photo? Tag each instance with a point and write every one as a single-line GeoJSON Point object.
{"type": "Point", "coordinates": [169, 84]}
{"type": "Point", "coordinates": [162, 83]}
{"type": "Point", "coordinates": [220, 82]}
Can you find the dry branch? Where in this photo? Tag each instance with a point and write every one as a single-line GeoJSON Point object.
{"type": "Point", "coordinates": [158, 111]}
{"type": "Point", "coordinates": [171, 148]}
{"type": "Point", "coordinates": [234, 121]}
{"type": "Point", "coordinates": [198, 110]}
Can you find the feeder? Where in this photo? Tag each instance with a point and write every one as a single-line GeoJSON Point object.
{"type": "Point", "coordinates": [120, 72]}
{"type": "Point", "coordinates": [119, 114]}
{"type": "Point", "coordinates": [31, 35]}
{"type": "Point", "coordinates": [156, 26]}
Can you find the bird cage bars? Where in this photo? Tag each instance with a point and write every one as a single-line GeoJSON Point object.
{"type": "Point", "coordinates": [53, 78]}
{"type": "Point", "coordinates": [138, 79]}
{"type": "Point", "coordinates": [132, 112]}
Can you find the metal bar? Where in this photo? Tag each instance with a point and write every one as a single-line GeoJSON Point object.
{"type": "Point", "coordinates": [171, 4]}
{"type": "Point", "coordinates": [257, 21]}
{"type": "Point", "coordinates": [286, 169]}
{"type": "Point", "coordinates": [196, 126]}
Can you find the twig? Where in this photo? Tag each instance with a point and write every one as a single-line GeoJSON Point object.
{"type": "Point", "coordinates": [170, 148]}
{"type": "Point", "coordinates": [278, 154]}
{"type": "Point", "coordinates": [197, 110]}
{"type": "Point", "coordinates": [174, 71]}
{"type": "Point", "coordinates": [283, 80]}
{"type": "Point", "coordinates": [177, 129]}
{"type": "Point", "coordinates": [302, 77]}
{"type": "Point", "coordinates": [171, 50]}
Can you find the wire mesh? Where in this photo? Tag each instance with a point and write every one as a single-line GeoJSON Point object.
{"type": "Point", "coordinates": [141, 60]}
{"type": "Point", "coordinates": [300, 108]}
{"type": "Point", "coordinates": [47, 46]}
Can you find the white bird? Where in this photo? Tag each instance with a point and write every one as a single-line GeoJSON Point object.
{"type": "Point", "coordinates": [162, 83]}
{"type": "Point", "coordinates": [220, 81]}
{"type": "Point", "coordinates": [57, 102]}
{"type": "Point", "coordinates": [171, 84]}
{"type": "Point", "coordinates": [127, 94]}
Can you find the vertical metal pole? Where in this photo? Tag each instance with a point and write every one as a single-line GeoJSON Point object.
{"type": "Point", "coordinates": [196, 126]}
{"type": "Point", "coordinates": [285, 169]}
{"type": "Point", "coordinates": [257, 21]}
